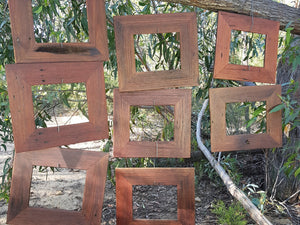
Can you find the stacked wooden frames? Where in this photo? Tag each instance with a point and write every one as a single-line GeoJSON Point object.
{"type": "Point", "coordinates": [146, 89]}
{"type": "Point", "coordinates": [127, 26]}
{"type": "Point", "coordinates": [20, 78]}
{"type": "Point", "coordinates": [27, 50]}
{"type": "Point", "coordinates": [224, 70]}
{"type": "Point", "coordinates": [183, 178]}
{"type": "Point", "coordinates": [95, 164]}
{"type": "Point", "coordinates": [219, 97]}
{"type": "Point", "coordinates": [57, 63]}
{"type": "Point", "coordinates": [220, 141]}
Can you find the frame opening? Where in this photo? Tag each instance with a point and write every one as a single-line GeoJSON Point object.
{"type": "Point", "coordinates": [164, 49]}
{"type": "Point", "coordinates": [59, 104]}
{"type": "Point", "coordinates": [156, 202]}
{"type": "Point", "coordinates": [246, 118]}
{"type": "Point", "coordinates": [50, 183]}
{"type": "Point", "coordinates": [152, 123]}
{"type": "Point", "coordinates": [62, 23]}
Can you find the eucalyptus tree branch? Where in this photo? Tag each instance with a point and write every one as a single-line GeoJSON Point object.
{"type": "Point", "coordinates": [266, 9]}
{"type": "Point", "coordinates": [231, 187]}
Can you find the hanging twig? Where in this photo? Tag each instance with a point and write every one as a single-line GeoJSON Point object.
{"type": "Point", "coordinates": [231, 187]}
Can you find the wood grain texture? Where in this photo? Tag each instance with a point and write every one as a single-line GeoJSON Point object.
{"type": "Point", "coordinates": [218, 98]}
{"type": "Point", "coordinates": [95, 164]}
{"type": "Point", "coordinates": [224, 70]}
{"type": "Point", "coordinates": [183, 178]}
{"type": "Point", "coordinates": [27, 50]}
{"type": "Point", "coordinates": [179, 148]}
{"type": "Point", "coordinates": [20, 78]}
{"type": "Point", "coordinates": [127, 26]}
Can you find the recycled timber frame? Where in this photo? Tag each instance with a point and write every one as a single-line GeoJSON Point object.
{"type": "Point", "coordinates": [95, 164]}
{"type": "Point", "coordinates": [224, 70]}
{"type": "Point", "coordinates": [179, 148]}
{"type": "Point", "coordinates": [28, 51]}
{"type": "Point", "coordinates": [20, 78]}
{"type": "Point", "coordinates": [183, 178]}
{"type": "Point", "coordinates": [218, 97]}
{"type": "Point", "coordinates": [127, 26]}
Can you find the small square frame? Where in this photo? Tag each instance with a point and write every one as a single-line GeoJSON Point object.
{"type": "Point", "coordinates": [20, 78]}
{"type": "Point", "coordinates": [218, 97]}
{"type": "Point", "coordinates": [95, 164]}
{"type": "Point", "coordinates": [183, 178]}
{"type": "Point", "coordinates": [127, 26]}
{"type": "Point", "coordinates": [179, 148]}
{"type": "Point", "coordinates": [27, 50]}
{"type": "Point", "coordinates": [224, 70]}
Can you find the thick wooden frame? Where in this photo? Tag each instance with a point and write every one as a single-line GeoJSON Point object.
{"type": "Point", "coordinates": [20, 78]}
{"type": "Point", "coordinates": [218, 98]}
{"type": "Point", "coordinates": [27, 50]}
{"type": "Point", "coordinates": [182, 177]}
{"type": "Point", "coordinates": [179, 148]}
{"type": "Point", "coordinates": [95, 164]}
{"type": "Point", "coordinates": [127, 26]}
{"type": "Point", "coordinates": [224, 70]}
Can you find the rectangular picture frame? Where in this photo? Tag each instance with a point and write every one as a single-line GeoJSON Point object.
{"type": "Point", "coordinates": [183, 178]}
{"type": "Point", "coordinates": [95, 164]}
{"type": "Point", "coordinates": [26, 49]}
{"type": "Point", "coordinates": [218, 97]}
{"type": "Point", "coordinates": [232, 21]}
{"type": "Point", "coordinates": [20, 78]}
{"type": "Point", "coordinates": [179, 148]}
{"type": "Point", "coordinates": [127, 26]}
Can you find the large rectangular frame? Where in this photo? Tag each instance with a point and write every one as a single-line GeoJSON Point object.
{"type": "Point", "coordinates": [20, 78]}
{"type": "Point", "coordinates": [218, 97]}
{"type": "Point", "coordinates": [127, 26]}
{"type": "Point", "coordinates": [179, 148]}
{"type": "Point", "coordinates": [95, 164]}
{"type": "Point", "coordinates": [27, 50]}
{"type": "Point", "coordinates": [183, 178]}
{"type": "Point", "coordinates": [224, 70]}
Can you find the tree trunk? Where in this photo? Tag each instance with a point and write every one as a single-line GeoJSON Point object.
{"type": "Point", "coordinates": [267, 9]}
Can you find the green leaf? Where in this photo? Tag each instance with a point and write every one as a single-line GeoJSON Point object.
{"type": "Point", "coordinates": [277, 108]}
{"type": "Point", "coordinates": [297, 172]}
{"type": "Point", "coordinates": [38, 10]}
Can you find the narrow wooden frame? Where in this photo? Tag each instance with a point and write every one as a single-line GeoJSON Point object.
{"type": "Point", "coordinates": [27, 50]}
{"type": "Point", "coordinates": [179, 148]}
{"type": "Point", "coordinates": [95, 164]}
{"type": "Point", "coordinates": [20, 78]}
{"type": "Point", "coordinates": [220, 96]}
{"type": "Point", "coordinates": [224, 70]}
{"type": "Point", "coordinates": [127, 26]}
{"type": "Point", "coordinates": [182, 177]}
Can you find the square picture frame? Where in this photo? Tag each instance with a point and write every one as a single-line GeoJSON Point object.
{"type": "Point", "coordinates": [95, 164]}
{"type": "Point", "coordinates": [180, 147]}
{"type": "Point", "coordinates": [224, 70]}
{"type": "Point", "coordinates": [20, 78]}
{"type": "Point", "coordinates": [127, 26]}
{"type": "Point", "coordinates": [218, 97]}
{"type": "Point", "coordinates": [26, 49]}
{"type": "Point", "coordinates": [183, 178]}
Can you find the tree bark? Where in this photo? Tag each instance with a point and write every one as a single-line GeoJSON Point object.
{"type": "Point", "coordinates": [266, 9]}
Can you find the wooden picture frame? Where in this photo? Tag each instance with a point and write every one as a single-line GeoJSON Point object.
{"type": "Point", "coordinates": [28, 51]}
{"type": "Point", "coordinates": [95, 164]}
{"type": "Point", "coordinates": [218, 97]}
{"type": "Point", "coordinates": [183, 178]}
{"type": "Point", "coordinates": [178, 148]}
{"type": "Point", "coordinates": [20, 78]}
{"type": "Point", "coordinates": [224, 70]}
{"type": "Point", "coordinates": [127, 26]}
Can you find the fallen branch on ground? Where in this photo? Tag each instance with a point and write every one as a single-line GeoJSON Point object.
{"type": "Point", "coordinates": [231, 187]}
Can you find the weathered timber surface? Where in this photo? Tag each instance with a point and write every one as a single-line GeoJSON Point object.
{"type": "Point", "coordinates": [266, 9]}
